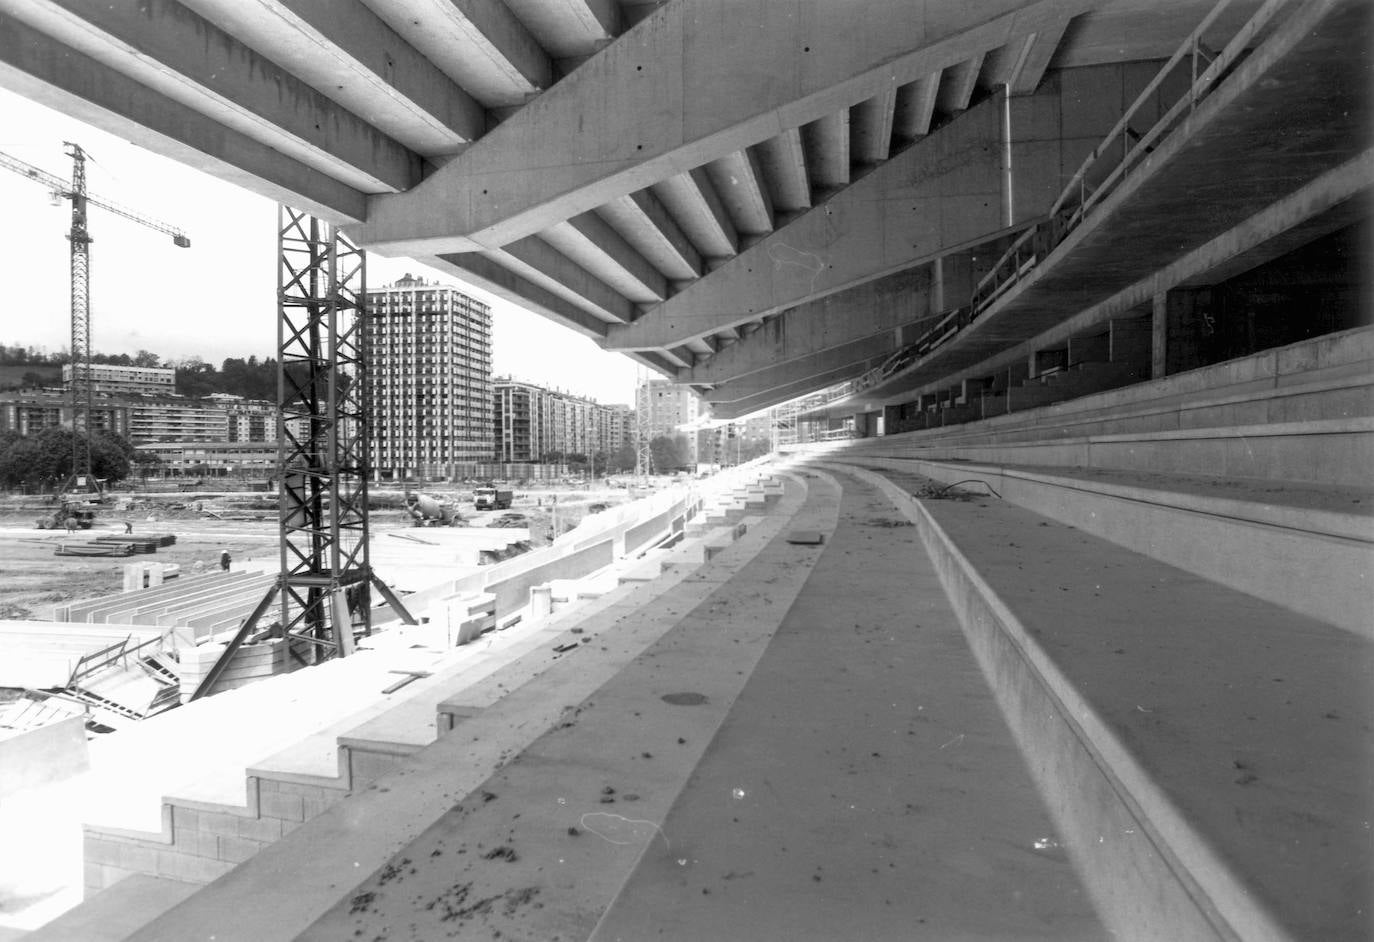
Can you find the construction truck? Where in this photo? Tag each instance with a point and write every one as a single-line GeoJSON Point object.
{"type": "Point", "coordinates": [76, 506]}
{"type": "Point", "coordinates": [492, 498]}
{"type": "Point", "coordinates": [428, 512]}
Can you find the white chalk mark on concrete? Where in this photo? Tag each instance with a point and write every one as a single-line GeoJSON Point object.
{"type": "Point", "coordinates": [784, 255]}
{"type": "Point", "coordinates": [956, 739]}
{"type": "Point", "coordinates": [615, 828]}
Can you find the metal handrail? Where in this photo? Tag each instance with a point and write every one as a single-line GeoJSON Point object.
{"type": "Point", "coordinates": [1044, 236]}
{"type": "Point", "coordinates": [84, 668]}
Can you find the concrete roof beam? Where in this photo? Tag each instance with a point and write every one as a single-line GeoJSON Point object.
{"type": "Point", "coordinates": [1033, 58]}
{"type": "Point", "coordinates": [734, 408]}
{"type": "Point", "coordinates": [957, 85]}
{"type": "Point", "coordinates": [826, 141]}
{"type": "Point", "coordinates": [37, 66]}
{"type": "Point", "coordinates": [940, 194]}
{"type": "Point", "coordinates": [570, 29]}
{"type": "Point", "coordinates": [593, 245]}
{"type": "Point", "coordinates": [540, 263]}
{"type": "Point", "coordinates": [691, 82]}
{"type": "Point", "coordinates": [870, 128]}
{"type": "Point", "coordinates": [783, 160]}
{"type": "Point", "coordinates": [183, 56]}
{"type": "Point", "coordinates": [644, 222]}
{"type": "Point", "coordinates": [740, 184]}
{"type": "Point", "coordinates": [495, 275]}
{"type": "Point", "coordinates": [886, 313]}
{"type": "Point", "coordinates": [480, 44]}
{"type": "Point", "coordinates": [914, 110]}
{"type": "Point", "coordinates": [345, 51]}
{"type": "Point", "coordinates": [692, 200]}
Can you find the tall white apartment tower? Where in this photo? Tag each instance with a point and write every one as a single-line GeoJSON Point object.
{"type": "Point", "coordinates": [429, 368]}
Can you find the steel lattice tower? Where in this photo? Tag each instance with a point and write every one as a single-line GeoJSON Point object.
{"type": "Point", "coordinates": [80, 239]}
{"type": "Point", "coordinates": [644, 427]}
{"type": "Point", "coordinates": [322, 458]}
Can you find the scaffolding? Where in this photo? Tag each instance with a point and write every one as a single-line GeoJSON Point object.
{"type": "Point", "coordinates": [644, 426]}
{"type": "Point", "coordinates": [322, 468]}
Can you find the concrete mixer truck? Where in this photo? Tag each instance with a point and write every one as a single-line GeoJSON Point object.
{"type": "Point", "coordinates": [428, 512]}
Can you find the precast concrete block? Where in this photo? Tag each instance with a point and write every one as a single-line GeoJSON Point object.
{"type": "Point", "coordinates": [285, 807]}
{"type": "Point", "coordinates": [541, 601]}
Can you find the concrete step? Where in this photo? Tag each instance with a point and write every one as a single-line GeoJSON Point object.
{"type": "Point", "coordinates": [1300, 413]}
{"type": "Point", "coordinates": [114, 915]}
{"type": "Point", "coordinates": [327, 857]}
{"type": "Point", "coordinates": [226, 815]}
{"type": "Point", "coordinates": [1307, 547]}
{"type": "Point", "coordinates": [1207, 751]}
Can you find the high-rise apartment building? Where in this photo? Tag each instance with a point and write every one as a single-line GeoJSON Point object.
{"type": "Point", "coordinates": [620, 427]}
{"type": "Point", "coordinates": [429, 395]}
{"type": "Point", "coordinates": [666, 408]}
{"type": "Point", "coordinates": [533, 423]}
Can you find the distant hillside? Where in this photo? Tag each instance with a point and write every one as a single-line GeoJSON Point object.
{"type": "Point", "coordinates": [18, 376]}
{"type": "Point", "coordinates": [251, 378]}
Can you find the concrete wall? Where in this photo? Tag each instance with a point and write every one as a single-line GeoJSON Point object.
{"type": "Point", "coordinates": [1299, 413]}
{"type": "Point", "coordinates": [513, 591]}
{"type": "Point", "coordinates": [39, 756]}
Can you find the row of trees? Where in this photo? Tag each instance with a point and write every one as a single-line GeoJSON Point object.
{"type": "Point", "coordinates": [16, 355]}
{"type": "Point", "coordinates": [43, 461]}
{"type": "Point", "coordinates": [238, 376]}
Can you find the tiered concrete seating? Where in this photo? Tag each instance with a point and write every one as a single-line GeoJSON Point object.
{"type": "Point", "coordinates": [317, 753]}
{"type": "Point", "coordinates": [1204, 745]}
{"type": "Point", "coordinates": [299, 780]}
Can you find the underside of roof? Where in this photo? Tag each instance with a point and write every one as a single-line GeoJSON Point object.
{"type": "Point", "coordinates": [759, 199]}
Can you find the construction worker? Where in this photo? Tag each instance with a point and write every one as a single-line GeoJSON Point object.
{"type": "Point", "coordinates": [224, 560]}
{"type": "Point", "coordinates": [128, 527]}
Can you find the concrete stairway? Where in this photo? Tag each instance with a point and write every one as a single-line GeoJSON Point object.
{"type": "Point", "coordinates": [536, 815]}
{"type": "Point", "coordinates": [208, 816]}
{"type": "Point", "coordinates": [320, 744]}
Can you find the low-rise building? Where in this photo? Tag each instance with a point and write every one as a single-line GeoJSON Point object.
{"type": "Point", "coordinates": [106, 378]}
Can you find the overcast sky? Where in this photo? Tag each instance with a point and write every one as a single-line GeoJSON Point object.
{"type": "Point", "coordinates": [217, 298]}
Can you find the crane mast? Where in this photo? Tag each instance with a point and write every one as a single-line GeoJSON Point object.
{"type": "Point", "coordinates": [81, 390]}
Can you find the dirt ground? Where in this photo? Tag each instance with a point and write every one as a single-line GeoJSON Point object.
{"type": "Point", "coordinates": [33, 579]}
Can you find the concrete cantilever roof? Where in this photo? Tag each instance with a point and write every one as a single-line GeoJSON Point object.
{"type": "Point", "coordinates": [758, 198]}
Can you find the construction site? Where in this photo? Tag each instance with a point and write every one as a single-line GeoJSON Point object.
{"type": "Point", "coordinates": [1049, 617]}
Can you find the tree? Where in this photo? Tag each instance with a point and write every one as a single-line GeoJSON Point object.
{"type": "Point", "coordinates": [147, 358]}
{"type": "Point", "coordinates": [146, 463]}
{"type": "Point", "coordinates": [46, 457]}
{"type": "Point", "coordinates": [623, 460]}
{"type": "Point", "coordinates": [670, 454]}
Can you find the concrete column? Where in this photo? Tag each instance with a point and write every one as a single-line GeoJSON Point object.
{"type": "Point", "coordinates": [892, 419]}
{"type": "Point", "coordinates": [541, 601]}
{"type": "Point", "coordinates": [1159, 336]}
{"type": "Point", "coordinates": [1182, 324]}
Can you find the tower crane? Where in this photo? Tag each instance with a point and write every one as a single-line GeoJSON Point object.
{"type": "Point", "coordinates": [80, 238]}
